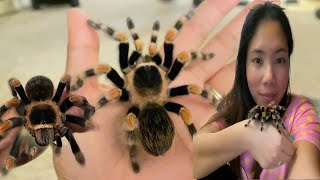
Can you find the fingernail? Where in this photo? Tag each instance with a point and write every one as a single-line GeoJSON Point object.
{"type": "Point", "coordinates": [292, 137]}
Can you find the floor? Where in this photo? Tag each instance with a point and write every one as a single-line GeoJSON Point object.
{"type": "Point", "coordinates": [34, 43]}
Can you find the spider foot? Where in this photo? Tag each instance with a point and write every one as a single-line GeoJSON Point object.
{"type": "Point", "coordinates": [80, 158]}
{"type": "Point", "coordinates": [135, 167]}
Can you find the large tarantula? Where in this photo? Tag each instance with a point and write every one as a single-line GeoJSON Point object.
{"type": "Point", "coordinates": [271, 113]}
{"type": "Point", "coordinates": [42, 116]}
{"type": "Point", "coordinates": [145, 87]}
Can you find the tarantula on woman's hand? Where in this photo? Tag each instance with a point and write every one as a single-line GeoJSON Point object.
{"type": "Point", "coordinates": [145, 87]}
{"type": "Point", "coordinates": [42, 116]}
{"type": "Point", "coordinates": [264, 114]}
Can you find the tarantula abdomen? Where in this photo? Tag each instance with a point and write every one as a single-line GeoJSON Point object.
{"type": "Point", "coordinates": [156, 129]}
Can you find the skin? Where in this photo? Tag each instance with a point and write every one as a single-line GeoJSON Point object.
{"type": "Point", "coordinates": [105, 148]}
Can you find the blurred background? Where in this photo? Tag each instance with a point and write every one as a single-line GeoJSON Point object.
{"type": "Point", "coordinates": [33, 41]}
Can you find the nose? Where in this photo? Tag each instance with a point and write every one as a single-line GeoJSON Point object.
{"type": "Point", "coordinates": [268, 76]}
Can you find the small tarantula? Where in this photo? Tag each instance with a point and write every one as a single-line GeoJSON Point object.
{"type": "Point", "coordinates": [272, 112]}
{"type": "Point", "coordinates": [145, 87]}
{"type": "Point", "coordinates": [42, 116]}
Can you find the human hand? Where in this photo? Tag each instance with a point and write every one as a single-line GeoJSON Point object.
{"type": "Point", "coordinates": [268, 147]}
{"type": "Point", "coordinates": [105, 148]}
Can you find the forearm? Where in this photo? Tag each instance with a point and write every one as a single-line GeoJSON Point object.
{"type": "Point", "coordinates": [306, 162]}
{"type": "Point", "coordinates": [212, 150]}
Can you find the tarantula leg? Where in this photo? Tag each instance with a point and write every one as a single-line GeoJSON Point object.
{"type": "Point", "coordinates": [76, 120]}
{"type": "Point", "coordinates": [137, 42]}
{"type": "Point", "coordinates": [64, 82]}
{"type": "Point", "coordinates": [210, 94]}
{"type": "Point", "coordinates": [6, 125]}
{"type": "Point", "coordinates": [131, 124]}
{"type": "Point", "coordinates": [182, 59]}
{"type": "Point", "coordinates": [113, 94]}
{"type": "Point", "coordinates": [248, 123]}
{"type": "Point", "coordinates": [100, 69]}
{"type": "Point", "coordinates": [118, 36]}
{"type": "Point", "coordinates": [9, 104]}
{"type": "Point", "coordinates": [155, 56]}
{"type": "Point", "coordinates": [58, 146]}
{"type": "Point", "coordinates": [262, 120]}
{"type": "Point", "coordinates": [16, 87]}
{"type": "Point", "coordinates": [79, 101]}
{"type": "Point", "coordinates": [184, 113]}
{"type": "Point", "coordinates": [170, 36]}
{"type": "Point", "coordinates": [13, 155]}
{"type": "Point", "coordinates": [75, 147]}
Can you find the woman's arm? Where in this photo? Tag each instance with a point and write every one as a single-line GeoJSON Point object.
{"type": "Point", "coordinates": [307, 155]}
{"type": "Point", "coordinates": [213, 148]}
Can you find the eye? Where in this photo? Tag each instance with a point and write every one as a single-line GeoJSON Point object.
{"type": "Point", "coordinates": [280, 60]}
{"type": "Point", "coordinates": [257, 60]}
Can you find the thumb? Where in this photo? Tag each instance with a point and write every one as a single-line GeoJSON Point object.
{"type": "Point", "coordinates": [83, 43]}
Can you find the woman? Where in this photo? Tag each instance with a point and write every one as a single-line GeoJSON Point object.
{"type": "Point", "coordinates": [104, 147]}
{"type": "Point", "coordinates": [262, 76]}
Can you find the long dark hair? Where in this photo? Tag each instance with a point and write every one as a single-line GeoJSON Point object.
{"type": "Point", "coordinates": [236, 104]}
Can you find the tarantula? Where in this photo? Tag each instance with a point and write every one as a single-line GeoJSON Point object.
{"type": "Point", "coordinates": [145, 87]}
{"type": "Point", "coordinates": [42, 116]}
{"type": "Point", "coordinates": [271, 112]}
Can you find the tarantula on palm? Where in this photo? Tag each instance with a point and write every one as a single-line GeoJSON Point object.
{"type": "Point", "coordinates": [42, 116]}
{"type": "Point", "coordinates": [264, 114]}
{"type": "Point", "coordinates": [145, 87]}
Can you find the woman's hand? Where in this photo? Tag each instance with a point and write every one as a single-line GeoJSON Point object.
{"type": "Point", "coordinates": [268, 147]}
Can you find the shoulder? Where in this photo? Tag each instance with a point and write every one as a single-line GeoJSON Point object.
{"type": "Point", "coordinates": [300, 104]}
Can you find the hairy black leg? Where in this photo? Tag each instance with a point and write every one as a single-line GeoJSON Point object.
{"type": "Point", "coordinates": [76, 120]}
{"type": "Point", "coordinates": [136, 54]}
{"type": "Point", "coordinates": [113, 94]}
{"type": "Point", "coordinates": [170, 37]}
{"type": "Point", "coordinates": [182, 59]}
{"type": "Point", "coordinates": [100, 69]}
{"type": "Point", "coordinates": [79, 101]}
{"type": "Point", "coordinates": [13, 155]}
{"type": "Point", "coordinates": [118, 36]}
{"type": "Point", "coordinates": [130, 125]}
{"type": "Point", "coordinates": [184, 113]}
{"type": "Point", "coordinates": [64, 82]}
{"type": "Point", "coordinates": [6, 125]}
{"type": "Point", "coordinates": [8, 105]}
{"type": "Point", "coordinates": [58, 145]}
{"type": "Point", "coordinates": [210, 94]}
{"type": "Point", "coordinates": [75, 147]}
{"type": "Point", "coordinates": [155, 56]}
{"type": "Point", "coordinates": [16, 87]}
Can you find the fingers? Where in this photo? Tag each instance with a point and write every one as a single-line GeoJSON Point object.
{"type": "Point", "coordinates": [224, 45]}
{"type": "Point", "coordinates": [206, 17]}
{"type": "Point", "coordinates": [222, 81]}
{"type": "Point", "coordinates": [83, 43]}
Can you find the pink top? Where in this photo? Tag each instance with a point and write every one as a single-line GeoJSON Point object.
{"type": "Point", "coordinates": [301, 120]}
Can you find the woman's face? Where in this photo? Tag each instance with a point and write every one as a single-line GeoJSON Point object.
{"type": "Point", "coordinates": [267, 63]}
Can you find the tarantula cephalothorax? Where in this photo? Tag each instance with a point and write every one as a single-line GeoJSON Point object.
{"type": "Point", "coordinates": [264, 114]}
{"type": "Point", "coordinates": [145, 87]}
{"type": "Point", "coordinates": [42, 116]}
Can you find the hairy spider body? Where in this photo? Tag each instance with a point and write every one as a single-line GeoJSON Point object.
{"type": "Point", "coordinates": [145, 86]}
{"type": "Point", "coordinates": [264, 114]}
{"type": "Point", "coordinates": [42, 116]}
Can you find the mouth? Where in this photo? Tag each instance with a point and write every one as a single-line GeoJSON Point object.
{"type": "Point", "coordinates": [268, 97]}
